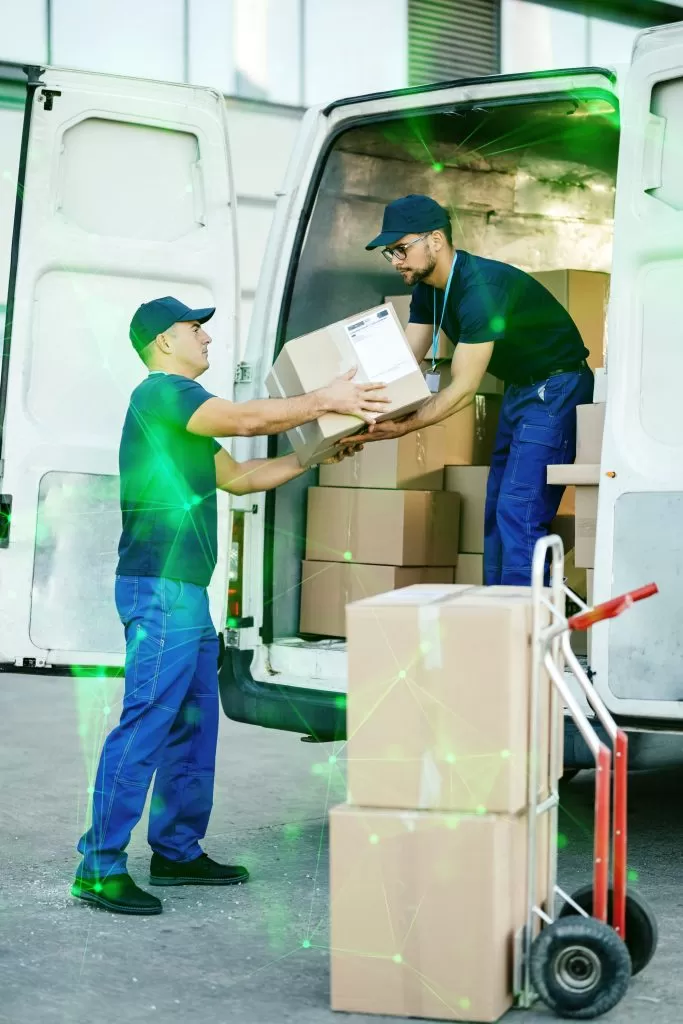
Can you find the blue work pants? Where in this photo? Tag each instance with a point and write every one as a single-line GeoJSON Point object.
{"type": "Point", "coordinates": [169, 725]}
{"type": "Point", "coordinates": [537, 428]}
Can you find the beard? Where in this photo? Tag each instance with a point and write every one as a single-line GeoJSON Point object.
{"type": "Point", "coordinates": [413, 277]}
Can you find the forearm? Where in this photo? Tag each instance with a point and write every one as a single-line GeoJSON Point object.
{"type": "Point", "coordinates": [442, 405]}
{"type": "Point", "coordinates": [278, 415]}
{"type": "Point", "coordinates": [262, 474]}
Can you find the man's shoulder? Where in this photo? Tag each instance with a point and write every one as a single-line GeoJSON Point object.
{"type": "Point", "coordinates": [493, 272]}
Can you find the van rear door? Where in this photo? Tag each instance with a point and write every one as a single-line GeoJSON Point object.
{"type": "Point", "coordinates": [639, 660]}
{"type": "Point", "coordinates": [124, 194]}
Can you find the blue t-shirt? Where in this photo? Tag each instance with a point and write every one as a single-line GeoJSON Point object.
{"type": "Point", "coordinates": [533, 333]}
{"type": "Point", "coordinates": [168, 484]}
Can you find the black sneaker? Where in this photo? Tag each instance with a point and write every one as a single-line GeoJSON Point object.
{"type": "Point", "coordinates": [200, 871]}
{"type": "Point", "coordinates": [117, 893]}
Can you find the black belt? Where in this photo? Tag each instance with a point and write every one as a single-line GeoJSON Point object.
{"type": "Point", "coordinates": [524, 382]}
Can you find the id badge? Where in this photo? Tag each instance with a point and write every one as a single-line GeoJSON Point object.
{"type": "Point", "coordinates": [433, 381]}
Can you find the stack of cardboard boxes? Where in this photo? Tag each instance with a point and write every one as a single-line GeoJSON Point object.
{"type": "Point", "coordinates": [383, 520]}
{"type": "Point", "coordinates": [429, 856]}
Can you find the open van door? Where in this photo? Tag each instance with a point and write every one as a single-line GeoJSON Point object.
{"type": "Point", "coordinates": [316, 271]}
{"type": "Point", "coordinates": [639, 664]}
{"type": "Point", "coordinates": [125, 194]}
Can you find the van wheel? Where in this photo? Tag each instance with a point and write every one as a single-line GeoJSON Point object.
{"type": "Point", "coordinates": [579, 967]}
{"type": "Point", "coordinates": [642, 932]}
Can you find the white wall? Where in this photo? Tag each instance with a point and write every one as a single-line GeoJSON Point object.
{"type": "Point", "coordinates": [128, 37]}
{"type": "Point", "coordinates": [23, 30]}
{"type": "Point", "coordinates": [354, 47]}
{"type": "Point", "coordinates": [536, 38]}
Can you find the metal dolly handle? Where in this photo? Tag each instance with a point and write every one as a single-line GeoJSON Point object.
{"type": "Point", "coordinates": [551, 645]}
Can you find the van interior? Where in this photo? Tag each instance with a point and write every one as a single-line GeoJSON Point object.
{"type": "Point", "coordinates": [530, 183]}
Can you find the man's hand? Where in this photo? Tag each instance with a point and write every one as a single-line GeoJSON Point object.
{"type": "Point", "coordinates": [388, 429]}
{"type": "Point", "coordinates": [345, 450]}
{"type": "Point", "coordinates": [344, 396]}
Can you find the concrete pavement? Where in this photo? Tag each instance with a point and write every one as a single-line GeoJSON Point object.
{"type": "Point", "coordinates": [233, 955]}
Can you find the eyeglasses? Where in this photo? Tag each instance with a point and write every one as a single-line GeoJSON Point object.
{"type": "Point", "coordinates": [399, 251]}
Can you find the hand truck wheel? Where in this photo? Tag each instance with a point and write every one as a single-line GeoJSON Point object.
{"type": "Point", "coordinates": [579, 967]}
{"type": "Point", "coordinates": [642, 932]}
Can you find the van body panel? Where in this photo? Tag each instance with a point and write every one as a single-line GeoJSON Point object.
{"type": "Point", "coordinates": [637, 658]}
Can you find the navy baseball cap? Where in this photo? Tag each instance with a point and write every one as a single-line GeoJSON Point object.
{"type": "Point", "coordinates": [407, 216]}
{"type": "Point", "coordinates": [155, 317]}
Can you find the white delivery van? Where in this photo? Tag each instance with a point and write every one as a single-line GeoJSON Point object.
{"type": "Point", "coordinates": [126, 191]}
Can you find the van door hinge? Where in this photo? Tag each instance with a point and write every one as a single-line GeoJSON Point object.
{"type": "Point", "coordinates": [244, 373]}
{"type": "Point", "coordinates": [49, 95]}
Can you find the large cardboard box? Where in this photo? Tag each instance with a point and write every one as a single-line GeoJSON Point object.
{"type": "Point", "coordinates": [584, 294]}
{"type": "Point", "coordinates": [574, 474]}
{"type": "Point", "coordinates": [412, 462]}
{"type": "Point", "coordinates": [565, 528]}
{"type": "Point", "coordinates": [470, 569]}
{"type": "Point", "coordinates": [374, 342]}
{"type": "Point", "coordinates": [586, 521]}
{"type": "Point", "coordinates": [382, 527]}
{"type": "Point", "coordinates": [424, 909]}
{"type": "Point", "coordinates": [438, 703]}
{"type": "Point", "coordinates": [590, 426]}
{"type": "Point", "coordinates": [568, 502]}
{"type": "Point", "coordinates": [327, 588]}
{"type": "Point", "coordinates": [470, 483]}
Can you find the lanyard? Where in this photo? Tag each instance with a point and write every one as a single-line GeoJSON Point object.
{"type": "Point", "coordinates": [437, 330]}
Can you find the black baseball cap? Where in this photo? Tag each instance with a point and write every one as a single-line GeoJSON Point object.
{"type": "Point", "coordinates": [409, 215]}
{"type": "Point", "coordinates": [155, 317]}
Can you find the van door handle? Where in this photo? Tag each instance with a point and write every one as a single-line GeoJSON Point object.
{"type": "Point", "coordinates": [653, 152]}
{"type": "Point", "coordinates": [198, 203]}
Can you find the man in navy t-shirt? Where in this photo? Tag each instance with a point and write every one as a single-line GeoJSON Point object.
{"type": "Point", "coordinates": [170, 466]}
{"type": "Point", "coordinates": [502, 321]}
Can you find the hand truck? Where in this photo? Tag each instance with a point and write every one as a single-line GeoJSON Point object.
{"type": "Point", "coordinates": [576, 963]}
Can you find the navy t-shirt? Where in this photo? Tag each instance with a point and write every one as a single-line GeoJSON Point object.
{"type": "Point", "coordinates": [533, 333]}
{"type": "Point", "coordinates": [168, 484]}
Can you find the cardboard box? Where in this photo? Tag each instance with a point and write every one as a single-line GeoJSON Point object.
{"type": "Point", "coordinates": [586, 520]}
{"type": "Point", "coordinates": [575, 474]}
{"type": "Point", "coordinates": [590, 426]}
{"type": "Point", "coordinates": [438, 707]}
{"type": "Point", "coordinates": [564, 527]}
{"type": "Point", "coordinates": [382, 527]}
{"type": "Point", "coordinates": [470, 483]}
{"type": "Point", "coordinates": [486, 415]}
{"type": "Point", "coordinates": [327, 588]}
{"type": "Point", "coordinates": [568, 502]}
{"type": "Point", "coordinates": [374, 342]}
{"type": "Point", "coordinates": [412, 462]}
{"type": "Point", "coordinates": [470, 570]}
{"type": "Point", "coordinates": [424, 908]}
{"type": "Point", "coordinates": [460, 430]}
{"type": "Point", "coordinates": [584, 294]}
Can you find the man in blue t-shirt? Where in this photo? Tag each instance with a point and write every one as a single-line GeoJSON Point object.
{"type": "Point", "coordinates": [170, 466]}
{"type": "Point", "coordinates": [502, 321]}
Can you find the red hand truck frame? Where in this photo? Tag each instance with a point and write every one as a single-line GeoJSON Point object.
{"type": "Point", "coordinates": [551, 650]}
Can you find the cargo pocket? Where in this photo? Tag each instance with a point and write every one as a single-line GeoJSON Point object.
{"type": "Point", "coordinates": [535, 448]}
